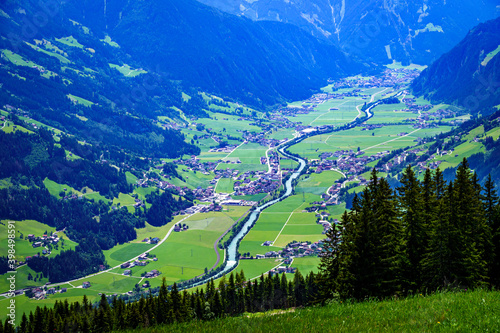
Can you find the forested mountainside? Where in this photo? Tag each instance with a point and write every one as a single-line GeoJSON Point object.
{"type": "Point", "coordinates": [61, 74]}
{"type": "Point", "coordinates": [415, 31]}
{"type": "Point", "coordinates": [469, 74]}
{"type": "Point", "coordinates": [260, 63]}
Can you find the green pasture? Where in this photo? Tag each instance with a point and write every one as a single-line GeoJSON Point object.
{"type": "Point", "coordinates": [228, 124]}
{"type": "Point", "coordinates": [466, 149]}
{"type": "Point", "coordinates": [58, 56]}
{"type": "Point", "coordinates": [377, 140]}
{"type": "Point", "coordinates": [186, 254]}
{"type": "Point", "coordinates": [9, 127]}
{"type": "Point", "coordinates": [124, 252]}
{"type": "Point", "coordinates": [390, 113]}
{"type": "Point", "coordinates": [255, 197]}
{"type": "Point", "coordinates": [192, 179]}
{"type": "Point", "coordinates": [27, 305]}
{"type": "Point", "coordinates": [108, 41]}
{"type": "Point", "coordinates": [127, 71]}
{"type": "Point", "coordinates": [280, 134]}
{"type": "Point", "coordinates": [79, 100]}
{"type": "Point", "coordinates": [55, 188]}
{"type": "Point", "coordinates": [336, 211]}
{"type": "Point", "coordinates": [272, 221]}
{"type": "Point", "coordinates": [249, 154]}
{"type": "Point", "coordinates": [225, 185]}
{"type": "Point", "coordinates": [70, 41]}
{"type": "Point", "coordinates": [306, 264]}
{"type": "Point", "coordinates": [318, 183]}
{"type": "Point", "coordinates": [131, 178]}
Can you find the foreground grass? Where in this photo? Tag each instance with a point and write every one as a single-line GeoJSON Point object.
{"type": "Point", "coordinates": [477, 311]}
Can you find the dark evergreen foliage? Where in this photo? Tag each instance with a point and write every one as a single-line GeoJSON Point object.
{"type": "Point", "coordinates": [426, 235]}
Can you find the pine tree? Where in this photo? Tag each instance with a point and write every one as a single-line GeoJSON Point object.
{"type": "Point", "coordinates": [470, 224]}
{"type": "Point", "coordinates": [436, 262]}
{"type": "Point", "coordinates": [387, 238]}
{"type": "Point", "coordinates": [412, 209]}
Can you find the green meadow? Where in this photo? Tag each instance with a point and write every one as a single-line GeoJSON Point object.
{"type": "Point", "coordinates": [23, 247]}
{"type": "Point", "coordinates": [79, 100]}
{"type": "Point", "coordinates": [282, 223]}
{"type": "Point", "coordinates": [185, 254]}
{"type": "Point", "coordinates": [469, 311]}
{"type": "Point", "coordinates": [372, 142]}
{"type": "Point", "coordinates": [318, 183]}
{"type": "Point", "coordinates": [70, 41]}
{"type": "Point", "coordinates": [249, 154]}
{"type": "Point", "coordinates": [390, 113]}
{"type": "Point", "coordinates": [228, 124]}
{"type": "Point", "coordinates": [127, 71]}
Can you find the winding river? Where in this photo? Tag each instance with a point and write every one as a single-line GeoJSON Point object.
{"type": "Point", "coordinates": [231, 261]}
{"type": "Point", "coordinates": [232, 249]}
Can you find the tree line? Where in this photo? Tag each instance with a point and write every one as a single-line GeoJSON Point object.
{"type": "Point", "coordinates": [233, 296]}
{"type": "Point", "coordinates": [425, 235]}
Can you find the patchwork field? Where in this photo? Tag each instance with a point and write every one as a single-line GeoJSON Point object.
{"type": "Point", "coordinates": [249, 154]}
{"type": "Point", "coordinates": [317, 183]}
{"type": "Point", "coordinates": [282, 223]}
{"type": "Point", "coordinates": [377, 140]}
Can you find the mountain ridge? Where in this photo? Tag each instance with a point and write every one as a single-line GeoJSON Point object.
{"type": "Point", "coordinates": [469, 74]}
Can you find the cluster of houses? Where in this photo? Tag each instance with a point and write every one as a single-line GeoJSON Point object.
{"type": "Point", "coordinates": [43, 240]}
{"type": "Point", "coordinates": [180, 227]}
{"type": "Point", "coordinates": [39, 293]}
{"type": "Point", "coordinates": [292, 250]}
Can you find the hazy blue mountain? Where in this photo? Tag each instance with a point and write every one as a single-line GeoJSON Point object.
{"type": "Point", "coordinates": [468, 75]}
{"type": "Point", "coordinates": [416, 31]}
{"type": "Point", "coordinates": [257, 62]}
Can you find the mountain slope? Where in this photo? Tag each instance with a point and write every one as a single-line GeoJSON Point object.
{"type": "Point", "coordinates": [258, 62]}
{"type": "Point", "coordinates": [415, 31]}
{"type": "Point", "coordinates": [469, 74]}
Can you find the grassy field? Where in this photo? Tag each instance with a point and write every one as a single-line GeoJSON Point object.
{"type": "Point", "coordinates": [59, 57]}
{"type": "Point", "coordinates": [227, 124]}
{"type": "Point", "coordinates": [23, 247]}
{"type": "Point", "coordinates": [318, 183]}
{"type": "Point", "coordinates": [9, 127]}
{"type": "Point", "coordinates": [334, 112]}
{"type": "Point", "coordinates": [390, 113]}
{"type": "Point", "coordinates": [476, 311]}
{"type": "Point", "coordinates": [191, 178]}
{"type": "Point", "coordinates": [225, 185]}
{"type": "Point", "coordinates": [185, 254]}
{"type": "Point", "coordinates": [127, 71]}
{"type": "Point", "coordinates": [79, 100]}
{"type": "Point", "coordinates": [20, 61]}
{"type": "Point", "coordinates": [249, 154]}
{"type": "Point", "coordinates": [282, 223]}
{"type": "Point", "coordinates": [55, 188]}
{"type": "Point", "coordinates": [70, 41]}
{"type": "Point", "coordinates": [377, 140]}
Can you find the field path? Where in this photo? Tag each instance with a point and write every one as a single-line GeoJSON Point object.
{"type": "Point", "coordinates": [329, 111]}
{"type": "Point", "coordinates": [136, 257]}
{"type": "Point", "coordinates": [222, 236]}
{"type": "Point", "coordinates": [399, 137]}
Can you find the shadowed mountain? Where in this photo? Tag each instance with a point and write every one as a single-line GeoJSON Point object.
{"type": "Point", "coordinates": [260, 63]}
{"type": "Point", "coordinates": [413, 31]}
{"type": "Point", "coordinates": [468, 75]}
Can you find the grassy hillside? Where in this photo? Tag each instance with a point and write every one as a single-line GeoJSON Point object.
{"type": "Point", "coordinates": [477, 311]}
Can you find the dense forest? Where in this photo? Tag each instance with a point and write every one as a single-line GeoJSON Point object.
{"type": "Point", "coordinates": [426, 235]}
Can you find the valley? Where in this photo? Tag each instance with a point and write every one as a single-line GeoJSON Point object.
{"type": "Point", "coordinates": [289, 153]}
{"type": "Point", "coordinates": [240, 167]}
